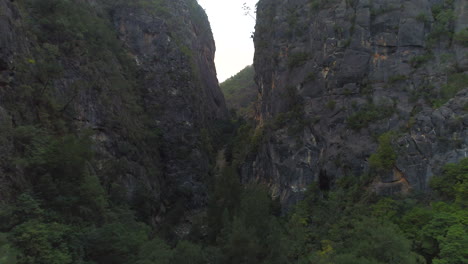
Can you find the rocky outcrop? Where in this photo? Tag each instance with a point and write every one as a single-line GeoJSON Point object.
{"type": "Point", "coordinates": [333, 75]}
{"type": "Point", "coordinates": [436, 137]}
{"type": "Point", "coordinates": [140, 75]}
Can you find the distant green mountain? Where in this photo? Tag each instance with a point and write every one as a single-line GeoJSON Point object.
{"type": "Point", "coordinates": [240, 91]}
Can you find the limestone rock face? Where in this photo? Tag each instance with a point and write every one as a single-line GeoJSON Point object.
{"type": "Point", "coordinates": [438, 136]}
{"type": "Point", "coordinates": [344, 72]}
{"type": "Point", "coordinates": [145, 85]}
{"type": "Point", "coordinates": [175, 54]}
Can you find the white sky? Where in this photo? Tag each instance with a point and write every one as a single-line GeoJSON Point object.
{"type": "Point", "coordinates": [232, 31]}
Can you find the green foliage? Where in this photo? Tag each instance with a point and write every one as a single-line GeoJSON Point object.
{"type": "Point", "coordinates": [348, 225]}
{"type": "Point", "coordinates": [397, 78]}
{"type": "Point", "coordinates": [197, 13]}
{"type": "Point", "coordinates": [258, 137]}
{"type": "Point", "coordinates": [43, 243]}
{"type": "Point", "coordinates": [461, 37]}
{"type": "Point", "coordinates": [385, 157]}
{"type": "Point", "coordinates": [341, 227]}
{"type": "Point", "coordinates": [331, 104]}
{"type": "Point", "coordinates": [418, 61]}
{"type": "Point", "coordinates": [245, 141]}
{"type": "Point", "coordinates": [155, 251]}
{"type": "Point", "coordinates": [385, 208]}
{"type": "Point", "coordinates": [294, 120]}
{"type": "Point", "coordinates": [455, 83]}
{"type": "Point", "coordinates": [224, 200]}
{"type": "Point", "coordinates": [67, 24]}
{"type": "Point", "coordinates": [156, 7]}
{"type": "Point", "coordinates": [240, 91]}
{"type": "Point", "coordinates": [188, 253]}
{"type": "Point", "coordinates": [72, 31]}
{"type": "Point", "coordinates": [298, 59]}
{"type": "Point", "coordinates": [67, 216]}
{"type": "Point", "coordinates": [118, 241]}
{"type": "Point", "coordinates": [426, 91]}
{"type": "Point", "coordinates": [316, 4]}
{"type": "Point", "coordinates": [453, 184]}
{"type": "Point", "coordinates": [453, 245]}
{"type": "Point", "coordinates": [443, 25]}
{"type": "Point", "coordinates": [253, 235]}
{"type": "Point", "coordinates": [422, 17]}
{"type": "Point", "coordinates": [368, 114]}
{"type": "Point", "coordinates": [438, 97]}
{"type": "Point", "coordinates": [57, 166]}
{"type": "Point", "coordinates": [372, 241]}
{"type": "Point", "coordinates": [7, 252]}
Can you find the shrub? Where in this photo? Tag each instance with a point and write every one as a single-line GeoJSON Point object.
{"type": "Point", "coordinates": [452, 184]}
{"type": "Point", "coordinates": [385, 157]}
{"type": "Point", "coordinates": [422, 17]}
{"type": "Point", "coordinates": [455, 83]}
{"type": "Point", "coordinates": [298, 59]}
{"type": "Point", "coordinates": [444, 17]}
{"type": "Point", "coordinates": [331, 104]}
{"type": "Point", "coordinates": [418, 61]}
{"type": "Point", "coordinates": [317, 4]}
{"type": "Point", "coordinates": [367, 114]}
{"type": "Point", "coordinates": [43, 243]}
{"type": "Point", "coordinates": [397, 78]}
{"type": "Point", "coordinates": [461, 37]}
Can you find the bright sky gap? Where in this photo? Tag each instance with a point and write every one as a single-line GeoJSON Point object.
{"type": "Point", "coordinates": [232, 31]}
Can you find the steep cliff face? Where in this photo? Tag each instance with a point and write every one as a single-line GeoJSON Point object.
{"type": "Point", "coordinates": [333, 75]}
{"type": "Point", "coordinates": [137, 77]}
{"type": "Point", "coordinates": [175, 52]}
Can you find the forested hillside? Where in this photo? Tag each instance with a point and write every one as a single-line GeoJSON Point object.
{"type": "Point", "coordinates": [241, 92]}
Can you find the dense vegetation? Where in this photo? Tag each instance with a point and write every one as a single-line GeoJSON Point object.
{"type": "Point", "coordinates": [240, 91]}
{"type": "Point", "coordinates": [67, 217]}
{"type": "Point", "coordinates": [67, 213]}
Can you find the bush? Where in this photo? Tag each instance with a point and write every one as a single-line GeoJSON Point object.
{"type": "Point", "coordinates": [298, 59]}
{"type": "Point", "coordinates": [397, 78]}
{"type": "Point", "coordinates": [331, 104]}
{"type": "Point", "coordinates": [453, 183]}
{"type": "Point", "coordinates": [43, 243]}
{"type": "Point", "coordinates": [368, 114]}
{"type": "Point", "coordinates": [461, 37]}
{"type": "Point", "coordinates": [422, 17]}
{"type": "Point", "coordinates": [57, 169]}
{"type": "Point", "coordinates": [418, 61]}
{"type": "Point", "coordinates": [385, 157]}
{"type": "Point", "coordinates": [455, 83]}
{"type": "Point", "coordinates": [444, 17]}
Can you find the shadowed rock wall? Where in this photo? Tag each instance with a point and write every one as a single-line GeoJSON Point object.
{"type": "Point", "coordinates": [333, 75]}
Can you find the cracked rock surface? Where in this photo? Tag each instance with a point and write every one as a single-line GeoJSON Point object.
{"type": "Point", "coordinates": [349, 71]}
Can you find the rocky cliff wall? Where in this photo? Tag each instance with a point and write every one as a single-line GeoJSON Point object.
{"type": "Point", "coordinates": [137, 76]}
{"type": "Point", "coordinates": [333, 75]}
